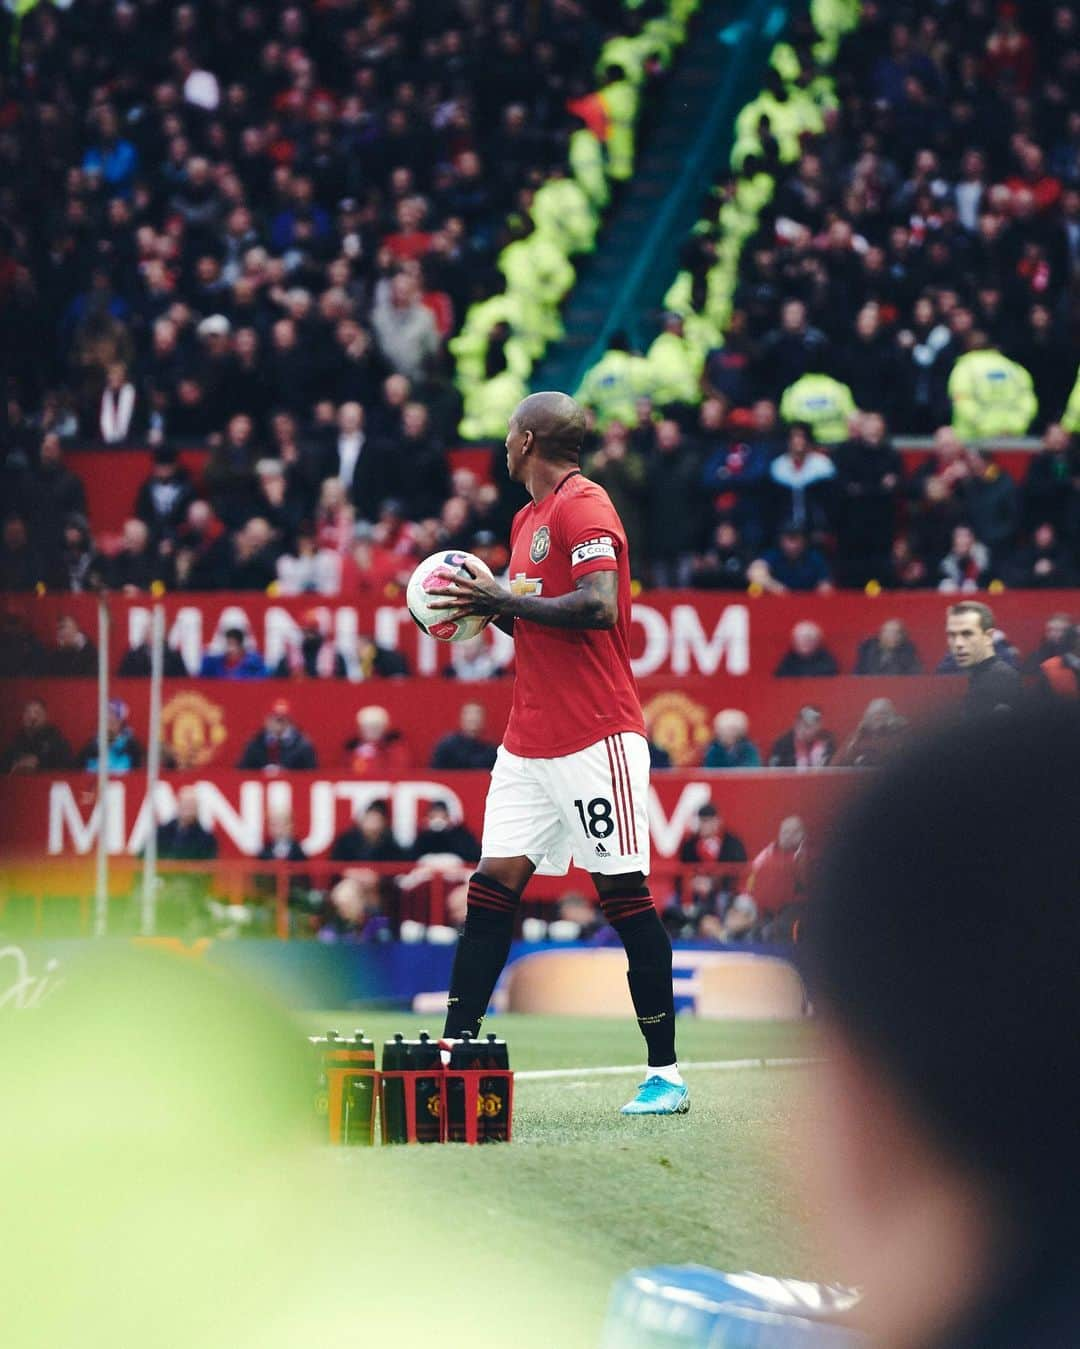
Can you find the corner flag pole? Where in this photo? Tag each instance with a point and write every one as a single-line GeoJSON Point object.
{"type": "Point", "coordinates": [101, 889]}
{"type": "Point", "coordinates": [148, 908]}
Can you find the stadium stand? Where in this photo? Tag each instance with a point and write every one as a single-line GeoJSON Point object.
{"type": "Point", "coordinates": [898, 237]}
{"type": "Point", "coordinates": [265, 214]}
{"type": "Point", "coordinates": [263, 266]}
{"type": "Point", "coordinates": [253, 271]}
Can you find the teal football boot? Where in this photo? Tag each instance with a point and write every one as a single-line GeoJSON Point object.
{"type": "Point", "coordinates": [657, 1096]}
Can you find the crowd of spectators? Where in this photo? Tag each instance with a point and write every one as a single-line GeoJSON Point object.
{"type": "Point", "coordinates": [897, 251]}
{"type": "Point", "coordinates": [266, 256]}
{"type": "Point", "coordinates": [365, 897]}
{"type": "Point", "coordinates": [374, 748]}
{"type": "Point", "coordinates": [720, 500]}
{"type": "Point", "coordinates": [214, 210]}
{"type": "Point", "coordinates": [713, 505]}
{"type": "Point", "coordinates": [254, 228]}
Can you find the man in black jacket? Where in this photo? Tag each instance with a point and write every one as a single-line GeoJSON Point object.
{"type": "Point", "coordinates": [73, 655]}
{"type": "Point", "coordinates": [466, 747]}
{"type": "Point", "coordinates": [808, 657]}
{"type": "Point", "coordinates": [38, 746]}
{"type": "Point", "coordinates": [441, 835]}
{"type": "Point", "coordinates": [279, 746]}
{"type": "Point", "coordinates": [183, 839]}
{"type": "Point", "coordinates": [368, 839]}
{"type": "Point", "coordinates": [993, 684]}
{"type": "Point", "coordinates": [869, 471]}
{"type": "Point", "coordinates": [367, 469]}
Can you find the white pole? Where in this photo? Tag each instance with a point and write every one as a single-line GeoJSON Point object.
{"type": "Point", "coordinates": [101, 891]}
{"type": "Point", "coordinates": [148, 911]}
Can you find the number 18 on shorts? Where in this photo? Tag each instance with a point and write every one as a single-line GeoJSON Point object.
{"type": "Point", "coordinates": [590, 807]}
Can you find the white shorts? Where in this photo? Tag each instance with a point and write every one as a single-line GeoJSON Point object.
{"type": "Point", "coordinates": [591, 807]}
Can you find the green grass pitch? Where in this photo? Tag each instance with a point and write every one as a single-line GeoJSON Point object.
{"type": "Point", "coordinates": [583, 1193]}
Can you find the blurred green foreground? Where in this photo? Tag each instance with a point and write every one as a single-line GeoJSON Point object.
{"type": "Point", "coordinates": [164, 1184]}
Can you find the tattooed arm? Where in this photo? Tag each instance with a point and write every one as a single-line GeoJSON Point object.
{"type": "Point", "coordinates": [593, 603]}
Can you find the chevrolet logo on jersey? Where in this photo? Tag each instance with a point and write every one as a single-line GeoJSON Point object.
{"type": "Point", "coordinates": [526, 585]}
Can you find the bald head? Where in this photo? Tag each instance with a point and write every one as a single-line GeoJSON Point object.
{"type": "Point", "coordinates": [556, 422]}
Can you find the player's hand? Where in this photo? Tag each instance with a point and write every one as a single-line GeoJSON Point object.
{"type": "Point", "coordinates": [472, 596]}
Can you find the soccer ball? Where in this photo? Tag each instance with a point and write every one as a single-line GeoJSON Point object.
{"type": "Point", "coordinates": [428, 581]}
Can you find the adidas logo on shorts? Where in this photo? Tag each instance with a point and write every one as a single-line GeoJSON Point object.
{"type": "Point", "coordinates": [601, 851]}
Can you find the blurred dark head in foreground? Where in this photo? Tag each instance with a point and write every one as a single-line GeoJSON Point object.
{"type": "Point", "coordinates": [944, 951]}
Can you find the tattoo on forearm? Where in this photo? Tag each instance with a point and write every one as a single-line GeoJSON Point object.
{"type": "Point", "coordinates": [593, 604]}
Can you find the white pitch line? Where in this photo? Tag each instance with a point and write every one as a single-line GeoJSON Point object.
{"type": "Point", "coordinates": [628, 1069]}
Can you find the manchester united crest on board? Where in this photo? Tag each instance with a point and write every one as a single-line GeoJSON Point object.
{"type": "Point", "coordinates": [192, 730]}
{"type": "Point", "coordinates": [541, 544]}
{"type": "Point", "coordinates": [679, 725]}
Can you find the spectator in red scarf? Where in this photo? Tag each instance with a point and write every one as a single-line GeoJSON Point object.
{"type": "Point", "coordinates": [280, 746]}
{"type": "Point", "coordinates": [711, 841]}
{"type": "Point", "coordinates": [1061, 674]}
{"type": "Point", "coordinates": [966, 566]}
{"type": "Point", "coordinates": [1010, 53]}
{"type": "Point", "coordinates": [377, 750]}
{"type": "Point", "coordinates": [806, 745]}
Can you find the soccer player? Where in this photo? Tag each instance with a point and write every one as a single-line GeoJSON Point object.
{"type": "Point", "coordinates": [571, 778]}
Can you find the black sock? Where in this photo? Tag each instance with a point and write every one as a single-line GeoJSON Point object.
{"type": "Point", "coordinates": [648, 952]}
{"type": "Point", "coordinates": [481, 954]}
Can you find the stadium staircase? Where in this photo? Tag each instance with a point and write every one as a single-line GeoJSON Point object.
{"type": "Point", "coordinates": [621, 285]}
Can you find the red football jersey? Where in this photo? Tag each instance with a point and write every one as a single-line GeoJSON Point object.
{"type": "Point", "coordinates": [571, 687]}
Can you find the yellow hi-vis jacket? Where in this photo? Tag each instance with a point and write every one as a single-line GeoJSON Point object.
{"type": "Point", "coordinates": [821, 401]}
{"type": "Point", "coordinates": [991, 396]}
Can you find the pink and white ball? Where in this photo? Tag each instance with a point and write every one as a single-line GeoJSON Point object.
{"type": "Point", "coordinates": [429, 581]}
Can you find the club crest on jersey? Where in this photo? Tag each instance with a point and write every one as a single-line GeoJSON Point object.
{"type": "Point", "coordinates": [541, 544]}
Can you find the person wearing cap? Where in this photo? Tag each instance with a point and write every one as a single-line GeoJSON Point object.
{"type": "Point", "coordinates": [215, 365]}
{"type": "Point", "coordinates": [279, 746]}
{"type": "Point", "coordinates": [793, 565]}
{"type": "Point", "coordinates": [314, 656]}
{"type": "Point", "coordinates": [164, 497]}
{"type": "Point", "coordinates": [807, 745]}
{"type": "Point", "coordinates": [125, 754]}
{"type": "Point", "coordinates": [696, 897]}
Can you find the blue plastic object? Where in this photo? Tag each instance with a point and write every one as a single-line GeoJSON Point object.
{"type": "Point", "coordinates": [676, 1306]}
